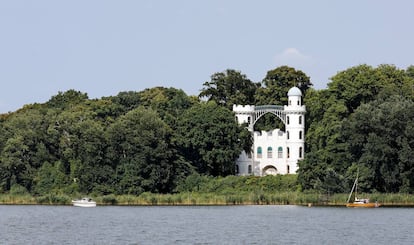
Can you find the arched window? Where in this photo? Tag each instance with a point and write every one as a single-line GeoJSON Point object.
{"type": "Point", "coordinates": [300, 152]}
{"type": "Point", "coordinates": [290, 102]}
{"type": "Point", "coordinates": [280, 152]}
{"type": "Point", "coordinates": [288, 152]}
{"type": "Point", "coordinates": [300, 135]}
{"type": "Point", "coordinates": [300, 119]}
{"type": "Point", "coordinates": [287, 120]}
{"type": "Point", "coordinates": [287, 169]}
{"type": "Point", "coordinates": [298, 102]}
{"type": "Point", "coordinates": [287, 134]}
{"type": "Point", "coordinates": [249, 169]}
{"type": "Point", "coordinates": [259, 152]}
{"type": "Point", "coordinates": [248, 120]}
{"type": "Point", "coordinates": [269, 152]}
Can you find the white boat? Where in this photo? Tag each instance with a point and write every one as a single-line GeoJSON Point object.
{"type": "Point", "coordinates": [85, 202]}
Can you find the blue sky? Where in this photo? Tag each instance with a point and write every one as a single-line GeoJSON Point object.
{"type": "Point", "coordinates": [104, 47]}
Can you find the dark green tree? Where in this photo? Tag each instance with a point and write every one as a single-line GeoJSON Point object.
{"type": "Point", "coordinates": [139, 146]}
{"type": "Point", "coordinates": [328, 110]}
{"type": "Point", "coordinates": [379, 136]}
{"type": "Point", "coordinates": [209, 137]}
{"type": "Point", "coordinates": [66, 99]}
{"type": "Point", "coordinates": [228, 88]}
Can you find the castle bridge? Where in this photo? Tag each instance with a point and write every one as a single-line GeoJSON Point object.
{"type": "Point", "coordinates": [261, 110]}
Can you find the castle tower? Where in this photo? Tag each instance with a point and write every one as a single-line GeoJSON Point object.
{"type": "Point", "coordinates": [295, 129]}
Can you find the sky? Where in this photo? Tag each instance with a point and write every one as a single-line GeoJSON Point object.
{"type": "Point", "coordinates": [102, 47]}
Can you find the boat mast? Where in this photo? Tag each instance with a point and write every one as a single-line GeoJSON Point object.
{"type": "Point", "coordinates": [355, 186]}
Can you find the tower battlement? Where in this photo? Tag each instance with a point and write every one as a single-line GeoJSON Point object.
{"type": "Point", "coordinates": [243, 108]}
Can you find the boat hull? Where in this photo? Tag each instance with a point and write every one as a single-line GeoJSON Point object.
{"type": "Point", "coordinates": [85, 203]}
{"type": "Point", "coordinates": [362, 205]}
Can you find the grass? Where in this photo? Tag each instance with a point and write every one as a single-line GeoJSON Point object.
{"type": "Point", "coordinates": [195, 198]}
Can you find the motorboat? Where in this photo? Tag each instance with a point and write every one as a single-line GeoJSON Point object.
{"type": "Point", "coordinates": [85, 202]}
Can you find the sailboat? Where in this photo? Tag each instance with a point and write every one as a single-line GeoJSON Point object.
{"type": "Point", "coordinates": [359, 202]}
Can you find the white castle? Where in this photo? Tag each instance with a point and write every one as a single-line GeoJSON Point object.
{"type": "Point", "coordinates": [274, 152]}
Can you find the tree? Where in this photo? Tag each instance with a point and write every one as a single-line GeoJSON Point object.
{"type": "Point", "coordinates": [274, 91]}
{"type": "Point", "coordinates": [169, 103]}
{"type": "Point", "coordinates": [380, 137]}
{"type": "Point", "coordinates": [277, 84]}
{"type": "Point", "coordinates": [328, 110]}
{"type": "Point", "coordinates": [208, 137]}
{"type": "Point", "coordinates": [140, 148]}
{"type": "Point", "coordinates": [23, 149]}
{"type": "Point", "coordinates": [66, 99]}
{"type": "Point", "coordinates": [228, 88]}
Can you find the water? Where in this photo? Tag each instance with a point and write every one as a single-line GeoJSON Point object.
{"type": "Point", "coordinates": [205, 225]}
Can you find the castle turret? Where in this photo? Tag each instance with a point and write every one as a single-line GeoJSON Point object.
{"type": "Point", "coordinates": [295, 129]}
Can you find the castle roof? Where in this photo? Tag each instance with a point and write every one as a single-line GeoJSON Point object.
{"type": "Point", "coordinates": [294, 91]}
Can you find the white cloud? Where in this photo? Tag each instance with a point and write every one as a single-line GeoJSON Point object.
{"type": "Point", "coordinates": [292, 57]}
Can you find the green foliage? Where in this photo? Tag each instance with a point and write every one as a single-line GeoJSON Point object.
{"type": "Point", "coordinates": [363, 119]}
{"type": "Point", "coordinates": [66, 99]}
{"type": "Point", "coordinates": [150, 141]}
{"type": "Point", "coordinates": [208, 137]}
{"type": "Point", "coordinates": [277, 84]}
{"type": "Point", "coordinates": [230, 88]}
{"type": "Point", "coordinates": [232, 185]}
{"type": "Point", "coordinates": [17, 189]}
{"type": "Point", "coordinates": [274, 92]}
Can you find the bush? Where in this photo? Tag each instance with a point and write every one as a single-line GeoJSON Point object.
{"type": "Point", "coordinates": [17, 189]}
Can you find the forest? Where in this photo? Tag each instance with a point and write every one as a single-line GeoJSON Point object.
{"type": "Point", "coordinates": [157, 140]}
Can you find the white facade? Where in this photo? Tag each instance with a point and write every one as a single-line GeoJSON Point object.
{"type": "Point", "coordinates": [274, 152]}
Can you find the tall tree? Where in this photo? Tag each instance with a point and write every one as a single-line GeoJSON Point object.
{"type": "Point", "coordinates": [329, 109]}
{"type": "Point", "coordinates": [277, 84]}
{"type": "Point", "coordinates": [379, 136]}
{"type": "Point", "coordinates": [140, 148]}
{"type": "Point", "coordinates": [208, 136]}
{"type": "Point", "coordinates": [228, 88]}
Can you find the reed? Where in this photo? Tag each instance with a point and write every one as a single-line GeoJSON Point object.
{"type": "Point", "coordinates": [212, 198]}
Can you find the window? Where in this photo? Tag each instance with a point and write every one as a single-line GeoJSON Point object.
{"type": "Point", "coordinates": [269, 152]}
{"type": "Point", "coordinates": [248, 120]}
{"type": "Point", "coordinates": [298, 102]}
{"type": "Point", "coordinates": [287, 169]}
{"type": "Point", "coordinates": [290, 102]}
{"type": "Point", "coordinates": [249, 169]}
{"type": "Point", "coordinates": [259, 152]}
{"type": "Point", "coordinates": [288, 152]}
{"type": "Point", "coordinates": [249, 155]}
{"type": "Point", "coordinates": [300, 119]}
{"type": "Point", "coordinates": [300, 135]}
{"type": "Point", "coordinates": [280, 152]}
{"type": "Point", "coordinates": [287, 120]}
{"type": "Point", "coordinates": [237, 169]}
{"type": "Point", "coordinates": [300, 152]}
{"type": "Point", "coordinates": [287, 134]}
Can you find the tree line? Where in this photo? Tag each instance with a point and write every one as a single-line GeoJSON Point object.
{"type": "Point", "coordinates": [154, 140]}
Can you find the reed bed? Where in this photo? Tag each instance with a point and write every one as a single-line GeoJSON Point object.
{"type": "Point", "coordinates": [194, 198]}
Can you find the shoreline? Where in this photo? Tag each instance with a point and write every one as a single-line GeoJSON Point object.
{"type": "Point", "coordinates": [210, 199]}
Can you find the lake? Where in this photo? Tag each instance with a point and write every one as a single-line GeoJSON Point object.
{"type": "Point", "coordinates": [33, 224]}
